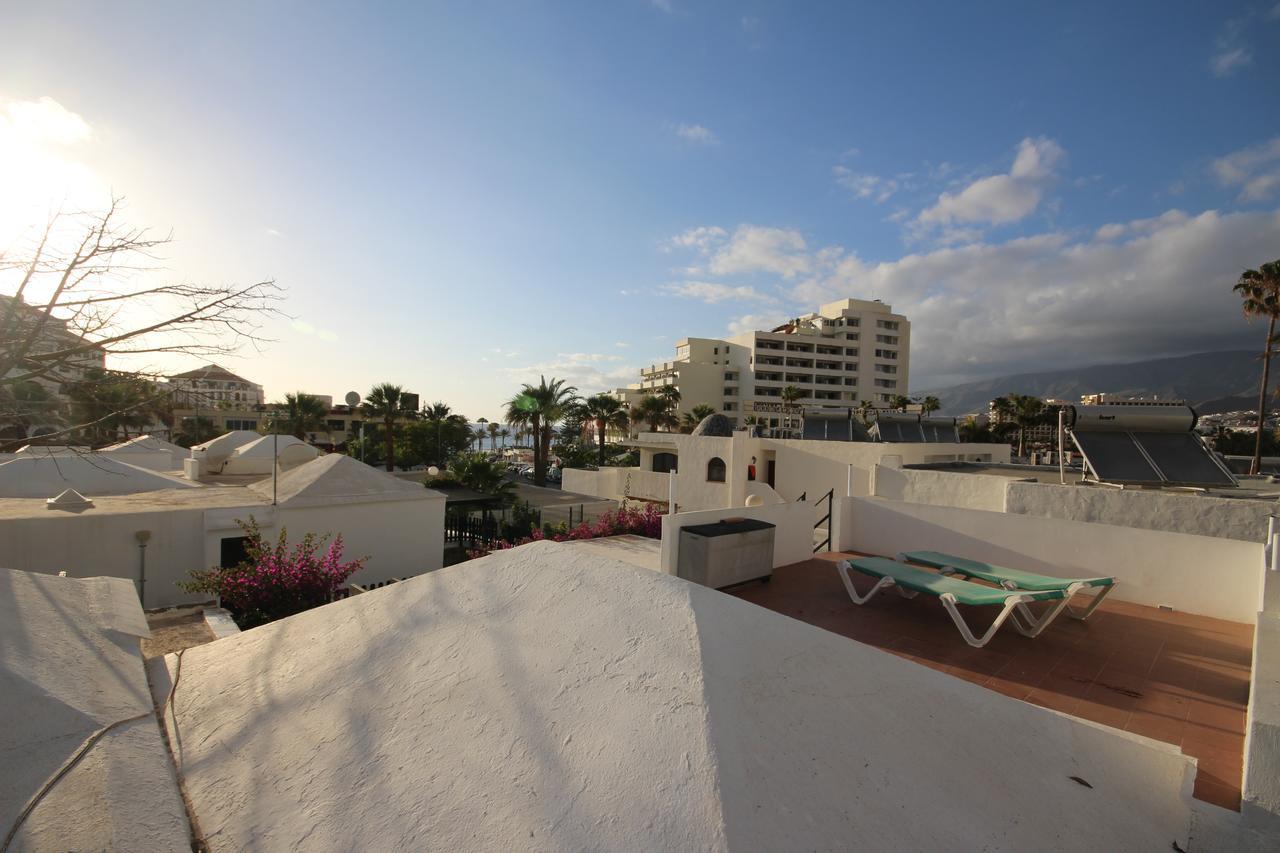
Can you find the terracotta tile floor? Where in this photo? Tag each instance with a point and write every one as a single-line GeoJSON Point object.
{"type": "Point", "coordinates": [1173, 677]}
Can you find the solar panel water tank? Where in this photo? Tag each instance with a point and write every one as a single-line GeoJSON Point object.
{"type": "Point", "coordinates": [899, 427]}
{"type": "Point", "coordinates": [1148, 446]}
{"type": "Point", "coordinates": [942, 430]}
{"type": "Point", "coordinates": [833, 426]}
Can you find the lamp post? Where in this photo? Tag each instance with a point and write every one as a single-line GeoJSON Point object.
{"type": "Point", "coordinates": [274, 414]}
{"type": "Point", "coordinates": [353, 400]}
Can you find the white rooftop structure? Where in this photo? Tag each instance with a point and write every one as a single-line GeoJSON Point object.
{"type": "Point", "coordinates": [216, 450]}
{"type": "Point", "coordinates": [548, 697]}
{"type": "Point", "coordinates": [255, 457]}
{"type": "Point", "coordinates": [90, 474]}
{"type": "Point", "coordinates": [337, 478]}
{"type": "Point", "coordinates": [70, 667]}
{"type": "Point", "coordinates": [149, 451]}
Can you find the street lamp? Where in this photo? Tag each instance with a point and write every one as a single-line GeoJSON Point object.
{"type": "Point", "coordinates": [275, 445]}
{"type": "Point", "coordinates": [353, 400]}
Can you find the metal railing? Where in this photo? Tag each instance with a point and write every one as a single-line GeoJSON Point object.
{"type": "Point", "coordinates": [829, 497]}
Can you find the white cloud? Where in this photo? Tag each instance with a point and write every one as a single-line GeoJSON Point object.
{"type": "Point", "coordinates": [306, 328]}
{"type": "Point", "coordinates": [1226, 61]}
{"type": "Point", "coordinates": [1230, 50]}
{"type": "Point", "coordinates": [272, 232]}
{"type": "Point", "coordinates": [696, 133]}
{"type": "Point", "coordinates": [41, 170]}
{"type": "Point", "coordinates": [588, 372]}
{"type": "Point", "coordinates": [700, 238]}
{"type": "Point", "coordinates": [998, 199]}
{"type": "Point", "coordinates": [752, 248]}
{"type": "Point", "coordinates": [864, 185]}
{"type": "Point", "coordinates": [664, 5]}
{"type": "Point", "coordinates": [1131, 290]}
{"type": "Point", "coordinates": [712, 292]}
{"type": "Point", "coordinates": [752, 322]}
{"type": "Point", "coordinates": [621, 344]}
{"type": "Point", "coordinates": [1256, 170]}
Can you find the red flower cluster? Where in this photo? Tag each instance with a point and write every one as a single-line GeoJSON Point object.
{"type": "Point", "coordinates": [276, 581]}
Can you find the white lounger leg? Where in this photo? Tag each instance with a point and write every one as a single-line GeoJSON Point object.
{"type": "Point", "coordinates": [949, 601]}
{"type": "Point", "coordinates": [843, 568]}
{"type": "Point", "coordinates": [1092, 605]}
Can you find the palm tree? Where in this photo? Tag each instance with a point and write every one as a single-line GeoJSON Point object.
{"type": "Point", "coordinates": [384, 404]}
{"type": "Point", "coordinates": [901, 402]}
{"type": "Point", "coordinates": [653, 410]}
{"type": "Point", "coordinates": [694, 416]}
{"type": "Point", "coordinates": [492, 429]}
{"type": "Point", "coordinates": [671, 394]}
{"type": "Point", "coordinates": [539, 407]}
{"type": "Point", "coordinates": [1023, 410]}
{"type": "Point", "coordinates": [26, 404]}
{"type": "Point", "coordinates": [607, 412]}
{"type": "Point", "coordinates": [929, 405]}
{"type": "Point", "coordinates": [478, 437]}
{"type": "Point", "coordinates": [790, 396]}
{"type": "Point", "coordinates": [504, 434]}
{"type": "Point", "coordinates": [303, 413]}
{"type": "Point", "coordinates": [864, 409]}
{"type": "Point", "coordinates": [1260, 290]}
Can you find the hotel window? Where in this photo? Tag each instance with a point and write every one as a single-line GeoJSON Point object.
{"type": "Point", "coordinates": [715, 470]}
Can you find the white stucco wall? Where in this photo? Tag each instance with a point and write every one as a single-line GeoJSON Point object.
{"type": "Point", "coordinates": [941, 488]}
{"type": "Point", "coordinates": [402, 538]}
{"type": "Point", "coordinates": [1261, 795]}
{"type": "Point", "coordinates": [1195, 574]}
{"type": "Point", "coordinates": [792, 540]}
{"type": "Point", "coordinates": [1150, 510]}
{"type": "Point", "coordinates": [93, 544]}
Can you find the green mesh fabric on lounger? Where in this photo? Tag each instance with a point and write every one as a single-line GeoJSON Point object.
{"type": "Point", "coordinates": [910, 581]}
{"type": "Point", "coordinates": [1013, 578]}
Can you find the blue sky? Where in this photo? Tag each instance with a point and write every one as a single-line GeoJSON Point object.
{"type": "Point", "coordinates": [461, 196]}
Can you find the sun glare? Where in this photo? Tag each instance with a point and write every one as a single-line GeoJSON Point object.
{"type": "Point", "coordinates": [41, 170]}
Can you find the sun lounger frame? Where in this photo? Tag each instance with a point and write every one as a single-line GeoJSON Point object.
{"type": "Point", "coordinates": [995, 574]}
{"type": "Point", "coordinates": [1012, 602]}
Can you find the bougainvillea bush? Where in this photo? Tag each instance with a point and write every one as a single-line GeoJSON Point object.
{"type": "Point", "coordinates": [624, 521]}
{"type": "Point", "coordinates": [275, 581]}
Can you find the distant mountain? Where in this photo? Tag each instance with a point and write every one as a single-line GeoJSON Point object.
{"type": "Point", "coordinates": [1213, 378]}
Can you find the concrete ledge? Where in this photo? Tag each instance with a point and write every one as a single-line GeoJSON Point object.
{"type": "Point", "coordinates": [1261, 797]}
{"type": "Point", "coordinates": [220, 622]}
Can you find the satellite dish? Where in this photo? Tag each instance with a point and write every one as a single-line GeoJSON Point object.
{"type": "Point", "coordinates": [353, 399]}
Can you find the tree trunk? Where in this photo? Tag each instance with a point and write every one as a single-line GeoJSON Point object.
{"type": "Point", "coordinates": [539, 464]}
{"type": "Point", "coordinates": [1022, 441]}
{"type": "Point", "coordinates": [1256, 466]}
{"type": "Point", "coordinates": [391, 444]}
{"type": "Point", "coordinates": [600, 427]}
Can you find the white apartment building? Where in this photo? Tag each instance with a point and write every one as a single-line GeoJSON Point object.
{"type": "Point", "coordinates": [847, 352]}
{"type": "Point", "coordinates": [213, 386]}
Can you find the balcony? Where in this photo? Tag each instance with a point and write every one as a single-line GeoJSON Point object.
{"type": "Point", "coordinates": [1167, 675]}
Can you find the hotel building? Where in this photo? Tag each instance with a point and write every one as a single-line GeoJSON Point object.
{"type": "Point", "coordinates": [847, 352]}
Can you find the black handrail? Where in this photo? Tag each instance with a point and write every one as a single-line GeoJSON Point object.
{"type": "Point", "coordinates": [829, 497]}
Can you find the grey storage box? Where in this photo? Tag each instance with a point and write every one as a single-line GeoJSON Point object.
{"type": "Point", "coordinates": [726, 552]}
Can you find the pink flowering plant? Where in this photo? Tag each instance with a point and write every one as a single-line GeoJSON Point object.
{"type": "Point", "coordinates": [275, 581]}
{"type": "Point", "coordinates": [627, 520]}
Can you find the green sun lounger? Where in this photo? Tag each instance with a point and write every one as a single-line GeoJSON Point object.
{"type": "Point", "coordinates": [1015, 578]}
{"type": "Point", "coordinates": [911, 581]}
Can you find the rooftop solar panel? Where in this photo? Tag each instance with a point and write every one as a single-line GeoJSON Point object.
{"type": "Point", "coordinates": [1115, 458]}
{"type": "Point", "coordinates": [1183, 458]}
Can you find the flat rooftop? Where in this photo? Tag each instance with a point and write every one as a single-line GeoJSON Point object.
{"type": "Point", "coordinates": [1169, 676]}
{"type": "Point", "coordinates": [1250, 488]}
